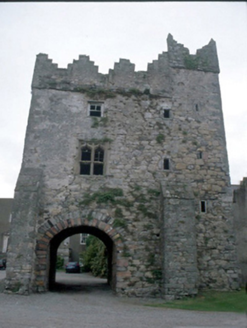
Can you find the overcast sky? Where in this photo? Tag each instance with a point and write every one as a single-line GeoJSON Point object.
{"type": "Point", "coordinates": [107, 32]}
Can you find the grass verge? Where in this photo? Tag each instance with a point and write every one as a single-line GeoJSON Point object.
{"type": "Point", "coordinates": [211, 301]}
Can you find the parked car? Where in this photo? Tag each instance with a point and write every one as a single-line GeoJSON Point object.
{"type": "Point", "coordinates": [72, 267]}
{"type": "Point", "coordinates": [2, 264]}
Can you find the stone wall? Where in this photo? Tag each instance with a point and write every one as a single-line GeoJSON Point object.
{"type": "Point", "coordinates": [240, 225]}
{"type": "Point", "coordinates": [145, 201]}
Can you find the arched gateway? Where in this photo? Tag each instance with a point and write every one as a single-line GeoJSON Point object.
{"type": "Point", "coordinates": [50, 237]}
{"type": "Point", "coordinates": [137, 158]}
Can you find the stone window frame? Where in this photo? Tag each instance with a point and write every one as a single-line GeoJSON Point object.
{"type": "Point", "coordinates": [92, 162]}
{"type": "Point", "coordinates": [97, 104]}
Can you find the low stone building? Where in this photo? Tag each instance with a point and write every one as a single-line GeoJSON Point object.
{"type": "Point", "coordinates": [137, 159]}
{"type": "Point", "coordinates": [5, 219]}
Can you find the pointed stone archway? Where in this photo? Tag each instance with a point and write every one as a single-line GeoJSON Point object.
{"type": "Point", "coordinates": [54, 230]}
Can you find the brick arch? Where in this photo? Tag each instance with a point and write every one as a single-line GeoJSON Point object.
{"type": "Point", "coordinates": [52, 227]}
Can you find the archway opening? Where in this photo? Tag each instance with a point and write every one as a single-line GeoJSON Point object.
{"type": "Point", "coordinates": [53, 283]}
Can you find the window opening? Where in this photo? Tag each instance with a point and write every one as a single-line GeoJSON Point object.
{"type": "Point", "coordinates": [95, 110]}
{"type": "Point", "coordinates": [166, 113]}
{"type": "Point", "coordinates": [203, 206]}
{"type": "Point", "coordinates": [86, 154]}
{"type": "Point", "coordinates": [98, 161]}
{"type": "Point", "coordinates": [85, 163]}
{"type": "Point", "coordinates": [199, 154]}
{"type": "Point", "coordinates": [196, 107]}
{"type": "Point", "coordinates": [92, 161]}
{"type": "Point", "coordinates": [83, 238]}
{"type": "Point", "coordinates": [166, 164]}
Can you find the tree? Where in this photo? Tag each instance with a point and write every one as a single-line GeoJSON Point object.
{"type": "Point", "coordinates": [94, 258]}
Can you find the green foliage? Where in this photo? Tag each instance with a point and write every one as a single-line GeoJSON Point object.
{"type": "Point", "coordinates": [146, 92]}
{"type": "Point", "coordinates": [16, 287]}
{"type": "Point", "coordinates": [96, 93]}
{"type": "Point", "coordinates": [104, 120]}
{"type": "Point", "coordinates": [126, 251]}
{"type": "Point", "coordinates": [100, 141]}
{"type": "Point", "coordinates": [95, 257]}
{"type": "Point", "coordinates": [108, 195]}
{"type": "Point", "coordinates": [191, 62]}
{"type": "Point", "coordinates": [160, 138]}
{"type": "Point", "coordinates": [118, 212]}
{"type": "Point", "coordinates": [154, 192]}
{"type": "Point", "coordinates": [234, 301]}
{"type": "Point", "coordinates": [60, 262]}
{"type": "Point", "coordinates": [137, 187]}
{"type": "Point", "coordinates": [151, 259]}
{"type": "Point", "coordinates": [121, 223]}
{"type": "Point", "coordinates": [142, 208]}
{"type": "Point", "coordinates": [95, 122]}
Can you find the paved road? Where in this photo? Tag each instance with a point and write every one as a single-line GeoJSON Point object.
{"type": "Point", "coordinates": [85, 302]}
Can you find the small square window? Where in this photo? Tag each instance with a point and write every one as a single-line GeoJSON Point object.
{"type": "Point", "coordinates": [95, 110]}
{"type": "Point", "coordinates": [166, 113]}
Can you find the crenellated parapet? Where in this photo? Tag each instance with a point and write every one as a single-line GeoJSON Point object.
{"type": "Point", "coordinates": [84, 73]}
{"type": "Point", "coordinates": [205, 59]}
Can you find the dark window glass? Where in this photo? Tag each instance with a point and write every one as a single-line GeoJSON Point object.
{"type": "Point", "coordinates": [98, 169]}
{"type": "Point", "coordinates": [85, 168]}
{"type": "Point", "coordinates": [199, 154]}
{"type": "Point", "coordinates": [86, 154]}
{"type": "Point", "coordinates": [166, 113]}
{"type": "Point", "coordinates": [166, 164]}
{"type": "Point", "coordinates": [203, 206]}
{"type": "Point", "coordinates": [99, 155]}
{"type": "Point", "coordinates": [95, 110]}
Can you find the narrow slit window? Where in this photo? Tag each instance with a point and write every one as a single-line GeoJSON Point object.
{"type": "Point", "coordinates": [203, 206]}
{"type": "Point", "coordinates": [166, 164]}
{"type": "Point", "coordinates": [166, 113]}
{"type": "Point", "coordinates": [199, 154]}
{"type": "Point", "coordinates": [197, 107]}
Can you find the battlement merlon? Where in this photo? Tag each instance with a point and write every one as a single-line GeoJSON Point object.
{"type": "Point", "coordinates": [83, 72]}
{"type": "Point", "coordinates": [205, 59]}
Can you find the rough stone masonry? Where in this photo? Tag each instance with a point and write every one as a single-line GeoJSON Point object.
{"type": "Point", "coordinates": [137, 159]}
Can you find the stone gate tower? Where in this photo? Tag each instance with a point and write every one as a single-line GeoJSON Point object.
{"type": "Point", "coordinates": [137, 159]}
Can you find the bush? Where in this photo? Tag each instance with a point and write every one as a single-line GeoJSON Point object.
{"type": "Point", "coordinates": [95, 257]}
{"type": "Point", "coordinates": [60, 262]}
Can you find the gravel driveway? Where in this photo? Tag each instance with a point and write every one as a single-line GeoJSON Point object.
{"type": "Point", "coordinates": [87, 302]}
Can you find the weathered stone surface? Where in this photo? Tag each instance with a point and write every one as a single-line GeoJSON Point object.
{"type": "Point", "coordinates": [169, 229]}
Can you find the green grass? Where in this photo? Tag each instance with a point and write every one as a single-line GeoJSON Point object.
{"type": "Point", "coordinates": [211, 301]}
